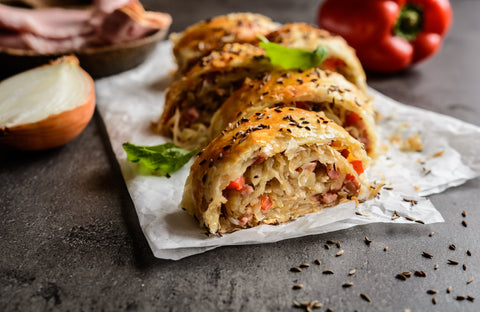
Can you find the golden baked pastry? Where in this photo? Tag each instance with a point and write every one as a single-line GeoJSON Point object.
{"type": "Point", "coordinates": [341, 57]}
{"type": "Point", "coordinates": [275, 166]}
{"type": "Point", "coordinates": [200, 39]}
{"type": "Point", "coordinates": [191, 101]}
{"type": "Point", "coordinates": [312, 89]}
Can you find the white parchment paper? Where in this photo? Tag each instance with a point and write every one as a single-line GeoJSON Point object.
{"type": "Point", "coordinates": [129, 102]}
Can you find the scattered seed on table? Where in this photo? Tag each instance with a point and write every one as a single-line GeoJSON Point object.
{"type": "Point", "coordinates": [464, 266]}
{"type": "Point", "coordinates": [338, 254]}
{"type": "Point", "coordinates": [420, 273]}
{"type": "Point", "coordinates": [464, 223]}
{"type": "Point", "coordinates": [296, 304]}
{"type": "Point", "coordinates": [435, 267]}
{"type": "Point", "coordinates": [365, 297]}
{"type": "Point", "coordinates": [407, 273]}
{"type": "Point", "coordinates": [328, 272]}
{"type": "Point", "coordinates": [427, 255]}
{"type": "Point", "coordinates": [432, 291]}
{"type": "Point", "coordinates": [452, 262]}
{"type": "Point", "coordinates": [452, 246]}
{"type": "Point", "coordinates": [296, 269]}
{"type": "Point", "coordinates": [395, 215]}
{"type": "Point", "coordinates": [449, 289]}
{"type": "Point", "coordinates": [434, 300]}
{"type": "Point", "coordinates": [304, 265]}
{"type": "Point", "coordinates": [327, 246]}
{"type": "Point", "coordinates": [318, 262]}
{"type": "Point", "coordinates": [401, 277]}
{"type": "Point", "coordinates": [329, 310]}
{"type": "Point", "coordinates": [338, 244]}
{"type": "Point", "coordinates": [385, 248]}
{"type": "Point", "coordinates": [317, 305]}
{"type": "Point", "coordinates": [420, 221]}
{"type": "Point", "coordinates": [470, 280]}
{"type": "Point", "coordinates": [469, 253]}
{"type": "Point", "coordinates": [352, 271]}
{"type": "Point", "coordinates": [348, 284]}
{"type": "Point", "coordinates": [431, 234]}
{"type": "Point", "coordinates": [297, 286]}
{"type": "Point", "coordinates": [331, 242]}
{"type": "Point", "coordinates": [410, 219]}
{"type": "Point", "coordinates": [367, 240]}
{"type": "Point", "coordinates": [460, 298]}
{"type": "Point", "coordinates": [470, 298]}
{"type": "Point", "coordinates": [464, 213]}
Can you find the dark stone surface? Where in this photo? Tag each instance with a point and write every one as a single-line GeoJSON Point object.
{"type": "Point", "coordinates": [70, 240]}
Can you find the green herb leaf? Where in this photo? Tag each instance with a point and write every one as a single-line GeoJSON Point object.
{"type": "Point", "coordinates": [159, 159]}
{"type": "Point", "coordinates": [292, 58]}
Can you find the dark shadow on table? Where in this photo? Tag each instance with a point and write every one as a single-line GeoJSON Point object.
{"type": "Point", "coordinates": [142, 254]}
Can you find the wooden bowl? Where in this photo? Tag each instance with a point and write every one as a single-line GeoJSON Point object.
{"type": "Point", "coordinates": [97, 61]}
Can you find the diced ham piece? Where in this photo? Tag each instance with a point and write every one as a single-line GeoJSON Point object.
{"type": "Point", "coordinates": [310, 166]}
{"type": "Point", "coordinates": [351, 184]}
{"type": "Point", "coordinates": [327, 198]}
{"type": "Point", "coordinates": [332, 173]}
{"type": "Point", "coordinates": [247, 190]}
{"type": "Point", "coordinates": [260, 158]}
{"type": "Point", "coordinates": [191, 114]}
{"type": "Point", "coordinates": [245, 219]}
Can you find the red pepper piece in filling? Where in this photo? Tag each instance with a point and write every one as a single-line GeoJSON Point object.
{"type": "Point", "coordinates": [357, 165]}
{"type": "Point", "coordinates": [388, 35]}
{"type": "Point", "coordinates": [352, 118]}
{"type": "Point", "coordinates": [265, 202]}
{"type": "Point", "coordinates": [333, 64]}
{"type": "Point", "coordinates": [237, 184]}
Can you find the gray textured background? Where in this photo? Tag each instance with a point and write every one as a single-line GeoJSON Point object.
{"type": "Point", "coordinates": [70, 240]}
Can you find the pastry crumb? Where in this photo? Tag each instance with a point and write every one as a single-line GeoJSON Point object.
{"type": "Point", "coordinates": [412, 144]}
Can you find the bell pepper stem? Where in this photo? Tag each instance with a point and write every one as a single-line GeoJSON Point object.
{"type": "Point", "coordinates": [409, 22]}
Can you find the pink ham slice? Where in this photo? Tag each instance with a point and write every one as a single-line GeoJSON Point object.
{"type": "Point", "coordinates": [51, 23]}
{"type": "Point", "coordinates": [61, 30]}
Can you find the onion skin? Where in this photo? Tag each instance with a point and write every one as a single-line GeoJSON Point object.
{"type": "Point", "coordinates": [53, 131]}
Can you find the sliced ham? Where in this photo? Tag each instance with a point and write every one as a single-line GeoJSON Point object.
{"type": "Point", "coordinates": [54, 23]}
{"type": "Point", "coordinates": [55, 30]}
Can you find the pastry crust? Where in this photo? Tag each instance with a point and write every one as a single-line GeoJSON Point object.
{"type": "Point", "coordinates": [312, 89]}
{"type": "Point", "coordinates": [293, 162]}
{"type": "Point", "coordinates": [341, 57]}
{"type": "Point", "coordinates": [191, 101]}
{"type": "Point", "coordinates": [206, 36]}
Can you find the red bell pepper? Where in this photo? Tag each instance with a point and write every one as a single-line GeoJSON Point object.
{"type": "Point", "coordinates": [265, 202]}
{"type": "Point", "coordinates": [238, 184]}
{"type": "Point", "coordinates": [388, 35]}
{"type": "Point", "coordinates": [357, 166]}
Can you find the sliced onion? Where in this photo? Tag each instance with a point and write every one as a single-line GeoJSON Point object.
{"type": "Point", "coordinates": [47, 106]}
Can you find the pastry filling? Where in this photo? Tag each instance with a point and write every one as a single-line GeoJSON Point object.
{"type": "Point", "coordinates": [287, 185]}
{"type": "Point", "coordinates": [190, 122]}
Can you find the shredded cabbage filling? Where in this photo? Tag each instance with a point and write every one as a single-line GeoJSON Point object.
{"type": "Point", "coordinates": [206, 98]}
{"type": "Point", "coordinates": [298, 181]}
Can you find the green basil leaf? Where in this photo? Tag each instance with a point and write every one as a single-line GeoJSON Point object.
{"type": "Point", "coordinates": [292, 58]}
{"type": "Point", "coordinates": [159, 159]}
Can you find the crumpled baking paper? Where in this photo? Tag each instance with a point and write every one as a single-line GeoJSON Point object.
{"type": "Point", "coordinates": [129, 102]}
